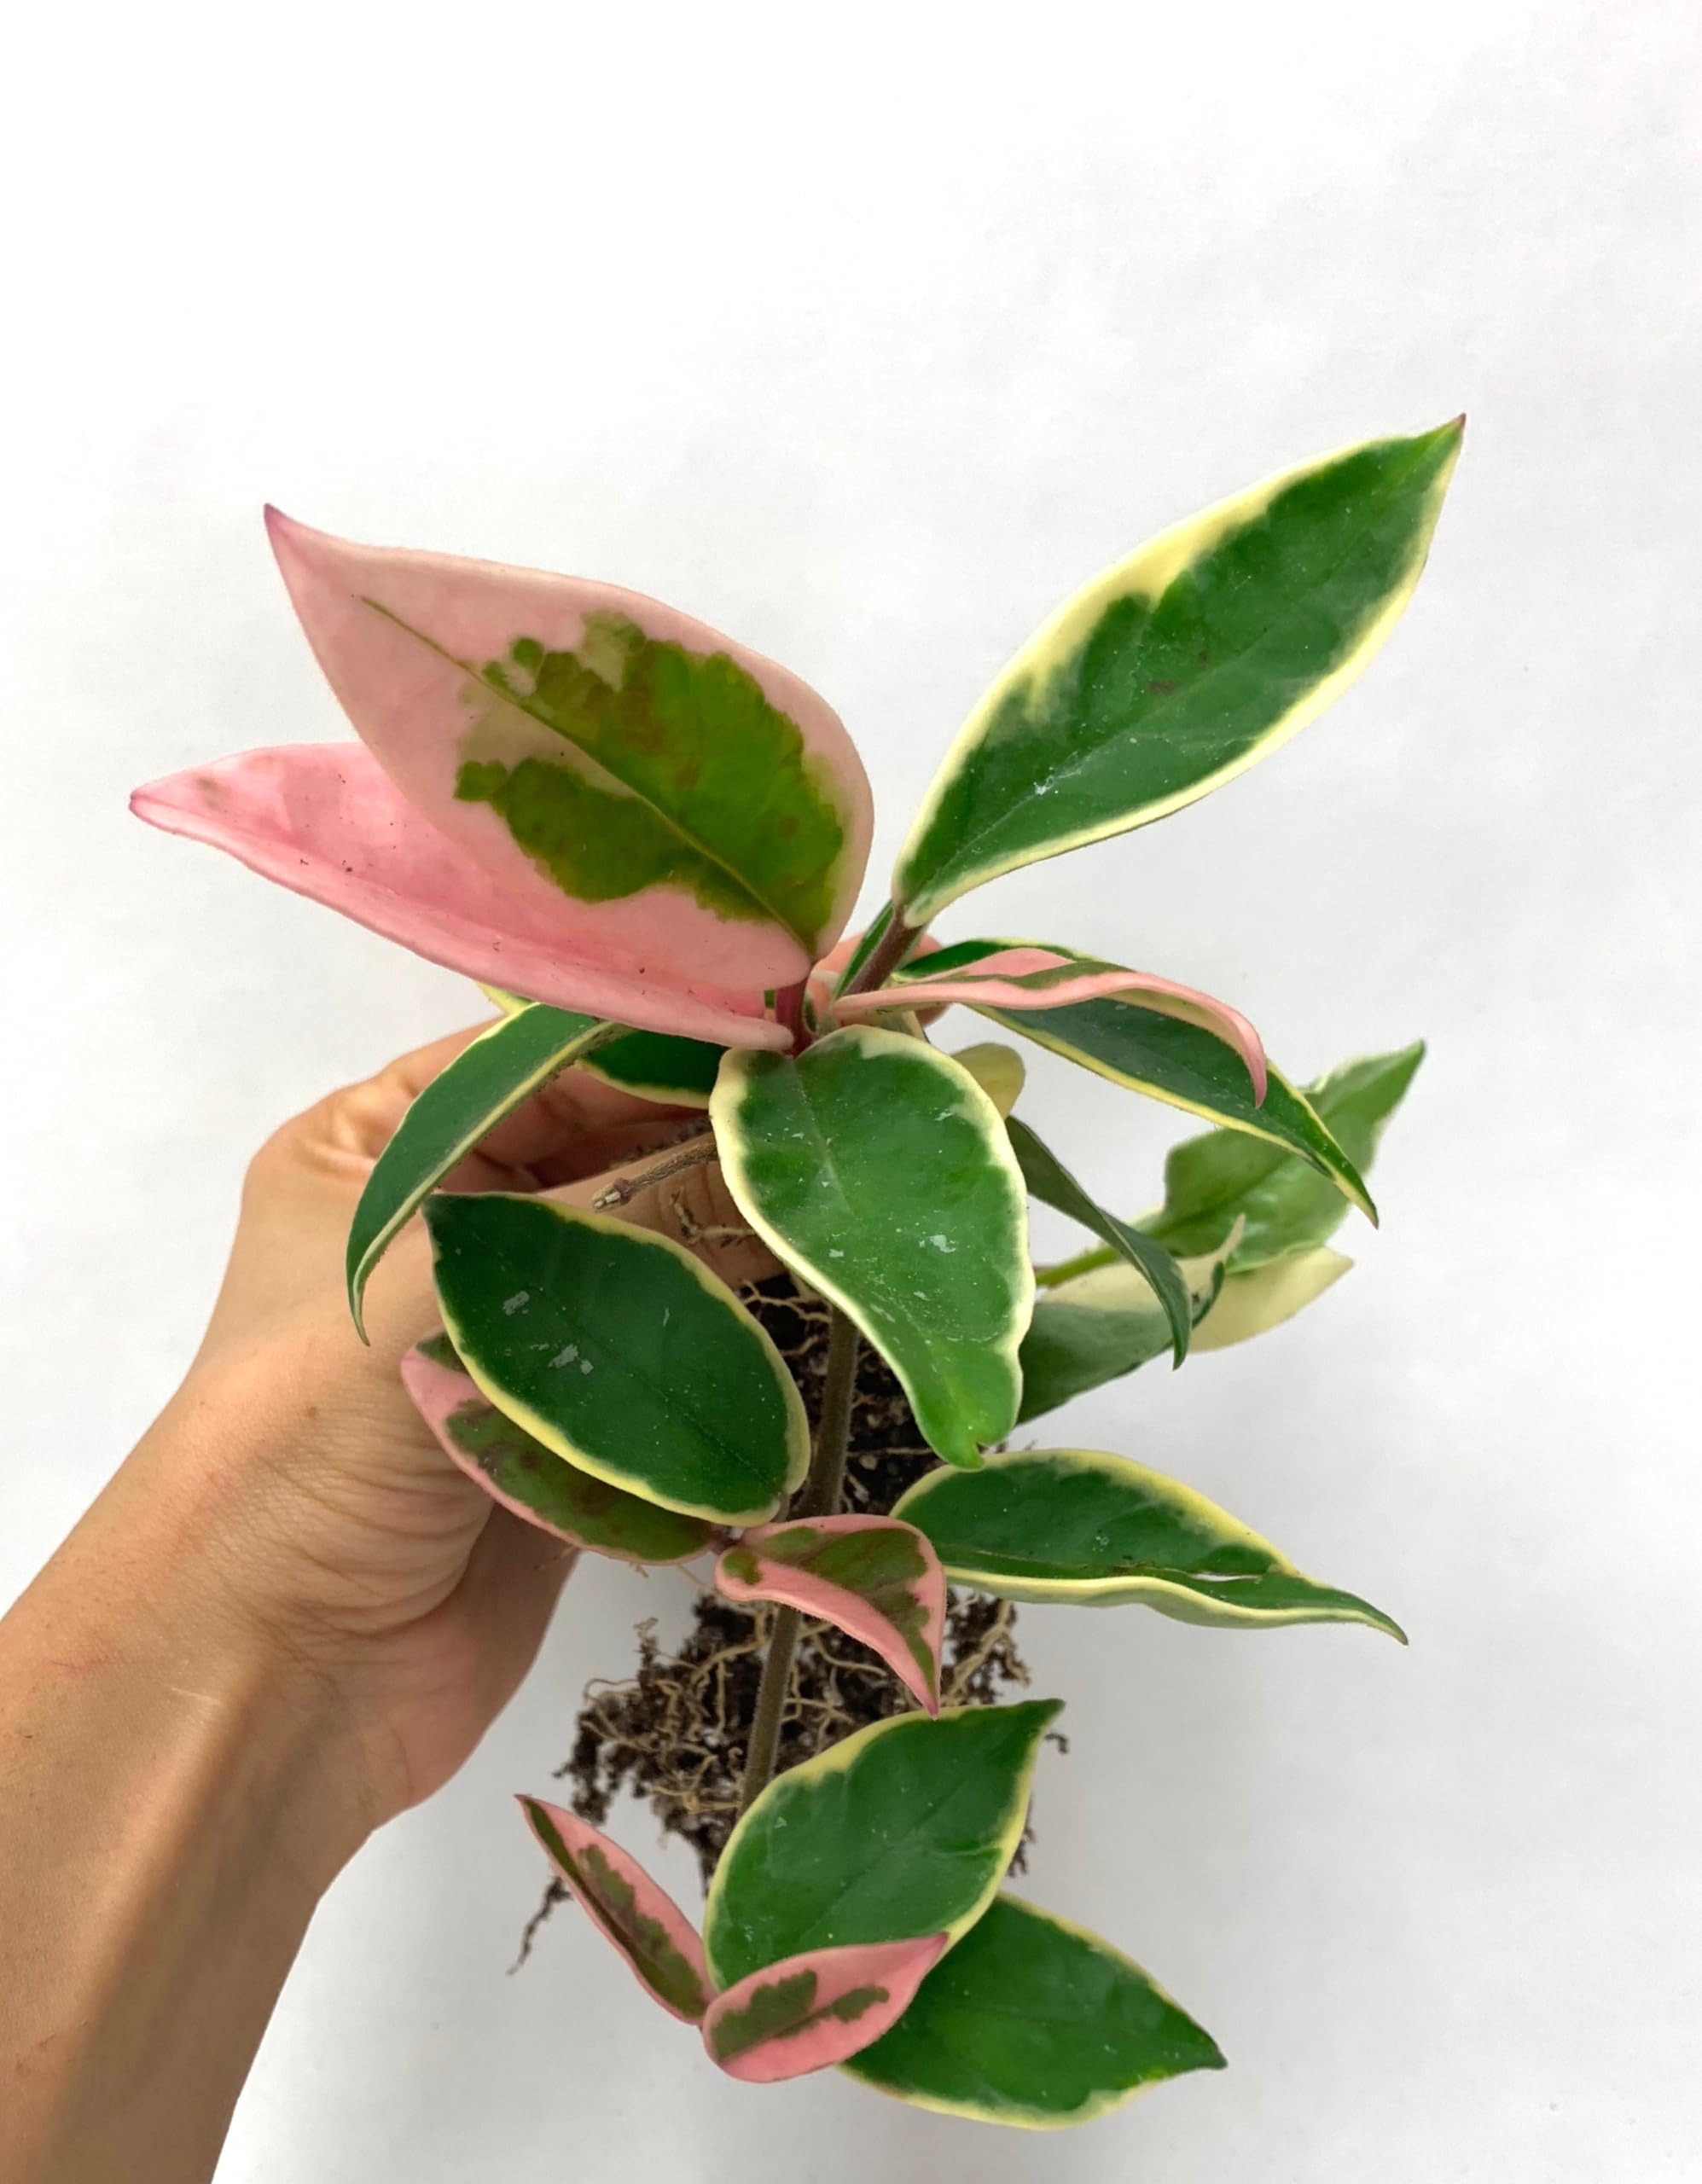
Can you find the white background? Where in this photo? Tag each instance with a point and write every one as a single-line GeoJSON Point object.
{"type": "Point", "coordinates": [866, 334]}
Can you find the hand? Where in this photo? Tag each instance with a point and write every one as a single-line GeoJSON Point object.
{"type": "Point", "coordinates": [342, 1540]}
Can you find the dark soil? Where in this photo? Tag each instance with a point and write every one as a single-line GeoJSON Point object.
{"type": "Point", "coordinates": [675, 1732]}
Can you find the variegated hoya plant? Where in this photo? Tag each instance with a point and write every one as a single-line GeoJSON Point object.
{"type": "Point", "coordinates": [647, 839]}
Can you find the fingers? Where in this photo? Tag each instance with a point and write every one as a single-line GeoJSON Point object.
{"type": "Point", "coordinates": [694, 1208]}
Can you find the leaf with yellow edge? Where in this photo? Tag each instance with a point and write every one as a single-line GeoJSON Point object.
{"type": "Point", "coordinates": [878, 1172]}
{"type": "Point", "coordinates": [878, 1581]}
{"type": "Point", "coordinates": [1182, 666]}
{"type": "Point", "coordinates": [1088, 1529]}
{"type": "Point", "coordinates": [1268, 1294]}
{"type": "Point", "coordinates": [619, 1350]}
{"type": "Point", "coordinates": [1033, 2022]}
{"type": "Point", "coordinates": [488, 1079]}
{"type": "Point", "coordinates": [903, 1829]}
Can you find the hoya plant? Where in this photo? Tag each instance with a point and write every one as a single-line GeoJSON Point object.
{"type": "Point", "coordinates": [646, 840]}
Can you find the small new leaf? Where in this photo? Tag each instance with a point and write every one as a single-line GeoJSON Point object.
{"type": "Point", "coordinates": [659, 1942]}
{"type": "Point", "coordinates": [878, 1580]}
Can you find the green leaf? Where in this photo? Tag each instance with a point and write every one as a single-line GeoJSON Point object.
{"type": "Point", "coordinates": [1053, 1184]}
{"type": "Point", "coordinates": [1032, 2021]}
{"type": "Point", "coordinates": [878, 1172]}
{"type": "Point", "coordinates": [1214, 1181]}
{"type": "Point", "coordinates": [1094, 1531]}
{"type": "Point", "coordinates": [1182, 666]}
{"type": "Point", "coordinates": [903, 1829]}
{"type": "Point", "coordinates": [1101, 1324]}
{"type": "Point", "coordinates": [487, 1080]}
{"type": "Point", "coordinates": [532, 1481]}
{"type": "Point", "coordinates": [620, 1351]}
{"type": "Point", "coordinates": [1267, 1295]}
{"type": "Point", "coordinates": [651, 1065]}
{"type": "Point", "coordinates": [1181, 1063]}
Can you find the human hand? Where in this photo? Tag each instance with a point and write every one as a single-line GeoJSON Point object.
{"type": "Point", "coordinates": [337, 1535]}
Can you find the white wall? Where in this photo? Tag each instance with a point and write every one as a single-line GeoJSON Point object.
{"type": "Point", "coordinates": [867, 334]}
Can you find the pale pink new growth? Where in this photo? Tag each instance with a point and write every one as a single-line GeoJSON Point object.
{"type": "Point", "coordinates": [402, 636]}
{"type": "Point", "coordinates": [855, 1613]}
{"type": "Point", "coordinates": [994, 982]}
{"type": "Point", "coordinates": [324, 820]}
{"type": "Point", "coordinates": [874, 1983]}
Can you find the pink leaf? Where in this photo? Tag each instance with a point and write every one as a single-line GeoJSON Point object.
{"type": "Point", "coordinates": [636, 780]}
{"type": "Point", "coordinates": [1022, 978]}
{"type": "Point", "coordinates": [323, 820]}
{"type": "Point", "coordinates": [814, 2010]}
{"type": "Point", "coordinates": [536, 1484]}
{"type": "Point", "coordinates": [879, 1580]}
{"type": "Point", "coordinates": [645, 1924]}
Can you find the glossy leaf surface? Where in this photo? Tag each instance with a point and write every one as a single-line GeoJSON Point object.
{"type": "Point", "coordinates": [814, 2010]}
{"type": "Point", "coordinates": [1052, 1183]}
{"type": "Point", "coordinates": [878, 1172]}
{"type": "Point", "coordinates": [487, 1079]}
{"type": "Point", "coordinates": [659, 1942]}
{"type": "Point", "coordinates": [1182, 666]}
{"type": "Point", "coordinates": [1180, 1063]}
{"type": "Point", "coordinates": [1023, 975]}
{"type": "Point", "coordinates": [664, 797]}
{"type": "Point", "coordinates": [1098, 1325]}
{"type": "Point", "coordinates": [620, 1351]}
{"type": "Point", "coordinates": [1094, 1531]}
{"type": "Point", "coordinates": [674, 1072]}
{"type": "Point", "coordinates": [533, 1481]}
{"type": "Point", "coordinates": [903, 1830]}
{"type": "Point", "coordinates": [324, 820]}
{"type": "Point", "coordinates": [1225, 1175]}
{"type": "Point", "coordinates": [1033, 2022]}
{"type": "Point", "coordinates": [877, 1580]}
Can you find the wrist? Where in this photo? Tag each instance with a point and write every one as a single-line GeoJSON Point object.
{"type": "Point", "coordinates": [147, 1615]}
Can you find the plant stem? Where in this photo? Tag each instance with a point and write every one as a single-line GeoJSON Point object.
{"type": "Point", "coordinates": [890, 951]}
{"type": "Point", "coordinates": [697, 1148]}
{"type": "Point", "coordinates": [819, 1498]}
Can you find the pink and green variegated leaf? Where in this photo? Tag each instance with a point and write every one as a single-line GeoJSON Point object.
{"type": "Point", "coordinates": [809, 2012]}
{"type": "Point", "coordinates": [1027, 977]}
{"type": "Point", "coordinates": [642, 1920]}
{"type": "Point", "coordinates": [657, 793]}
{"type": "Point", "coordinates": [519, 1473]}
{"type": "Point", "coordinates": [878, 1581]}
{"type": "Point", "coordinates": [324, 820]}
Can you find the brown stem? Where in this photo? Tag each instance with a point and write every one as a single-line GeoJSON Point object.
{"type": "Point", "coordinates": [699, 1147]}
{"type": "Point", "coordinates": [819, 1498]}
{"type": "Point", "coordinates": [889, 952]}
